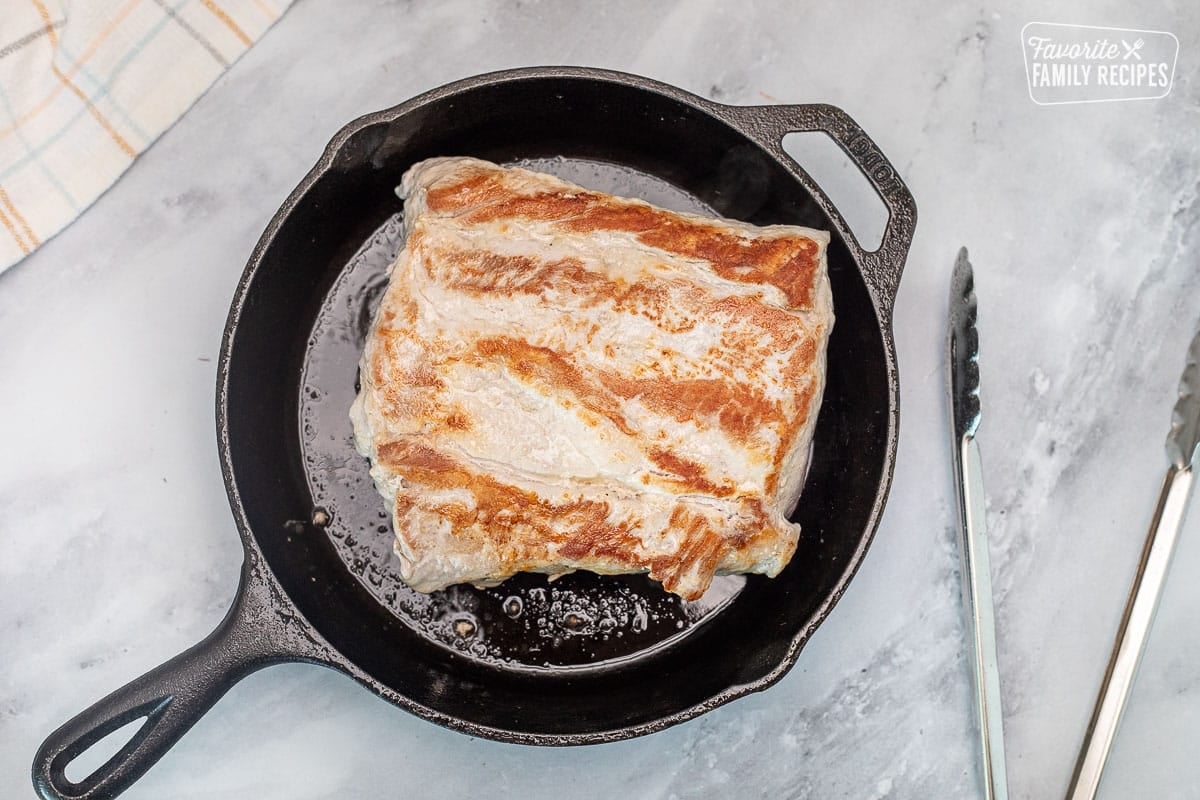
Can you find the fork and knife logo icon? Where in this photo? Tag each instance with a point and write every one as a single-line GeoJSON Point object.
{"type": "Point", "coordinates": [1132, 49]}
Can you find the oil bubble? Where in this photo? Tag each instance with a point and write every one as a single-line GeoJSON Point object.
{"type": "Point", "coordinates": [464, 626]}
{"type": "Point", "coordinates": [641, 619]}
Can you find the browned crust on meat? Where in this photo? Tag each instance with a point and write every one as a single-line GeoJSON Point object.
{"type": "Point", "coordinates": [576, 530]}
{"type": "Point", "coordinates": [688, 474]}
{"type": "Point", "coordinates": [554, 373]}
{"type": "Point", "coordinates": [787, 262]}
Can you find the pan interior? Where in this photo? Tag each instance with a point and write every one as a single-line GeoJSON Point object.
{"type": "Point", "coordinates": [581, 620]}
{"type": "Point", "coordinates": [278, 356]}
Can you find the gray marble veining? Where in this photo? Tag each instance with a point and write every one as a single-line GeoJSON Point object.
{"type": "Point", "coordinates": [116, 545]}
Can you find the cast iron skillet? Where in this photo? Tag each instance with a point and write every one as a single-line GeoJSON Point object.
{"type": "Point", "coordinates": [625, 660]}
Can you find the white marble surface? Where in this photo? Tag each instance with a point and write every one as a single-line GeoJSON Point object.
{"type": "Point", "coordinates": [117, 549]}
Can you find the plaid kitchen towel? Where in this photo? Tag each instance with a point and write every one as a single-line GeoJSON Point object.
{"type": "Point", "coordinates": [86, 86]}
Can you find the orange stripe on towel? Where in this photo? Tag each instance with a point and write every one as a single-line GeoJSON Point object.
{"type": "Point", "coordinates": [15, 235]}
{"type": "Point", "coordinates": [228, 20]}
{"type": "Point", "coordinates": [12, 210]}
{"type": "Point", "coordinates": [45, 15]}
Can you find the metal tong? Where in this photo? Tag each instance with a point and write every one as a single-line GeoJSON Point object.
{"type": "Point", "coordinates": [962, 355]}
{"type": "Point", "coordinates": [1148, 582]}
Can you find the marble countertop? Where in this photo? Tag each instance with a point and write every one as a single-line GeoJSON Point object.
{"type": "Point", "coordinates": [117, 549]}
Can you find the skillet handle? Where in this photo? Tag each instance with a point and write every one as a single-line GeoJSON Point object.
{"type": "Point", "coordinates": [881, 267]}
{"type": "Point", "coordinates": [171, 698]}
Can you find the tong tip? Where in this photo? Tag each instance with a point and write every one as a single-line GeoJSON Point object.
{"type": "Point", "coordinates": [963, 348]}
{"type": "Point", "coordinates": [1184, 439]}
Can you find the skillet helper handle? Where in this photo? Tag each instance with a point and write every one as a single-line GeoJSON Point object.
{"type": "Point", "coordinates": [884, 265]}
{"type": "Point", "coordinates": [171, 698]}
